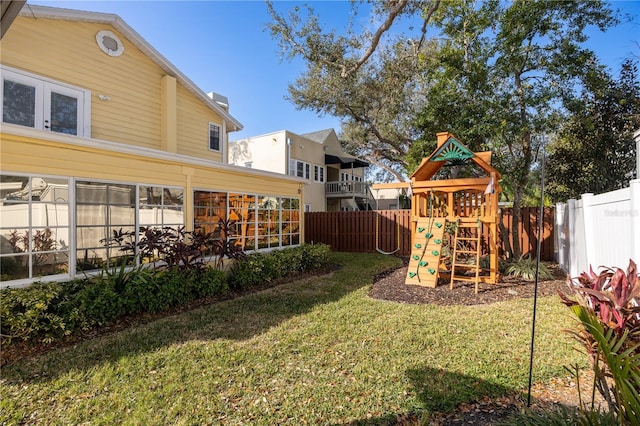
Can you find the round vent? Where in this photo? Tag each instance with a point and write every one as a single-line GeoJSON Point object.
{"type": "Point", "coordinates": [109, 43]}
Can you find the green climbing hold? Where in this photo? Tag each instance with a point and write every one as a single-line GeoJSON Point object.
{"type": "Point", "coordinates": [412, 274]}
{"type": "Point", "coordinates": [416, 257]}
{"type": "Point", "coordinates": [431, 271]}
{"type": "Point", "coordinates": [418, 245]}
{"type": "Point", "coordinates": [423, 263]}
{"type": "Point", "coordinates": [437, 241]}
{"type": "Point", "coordinates": [428, 235]}
{"type": "Point", "coordinates": [438, 225]}
{"type": "Point", "coordinates": [420, 229]}
{"type": "Point", "coordinates": [435, 252]}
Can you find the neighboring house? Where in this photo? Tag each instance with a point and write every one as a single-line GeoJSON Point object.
{"type": "Point", "coordinates": [101, 133]}
{"type": "Point", "coordinates": [334, 179]}
{"type": "Point", "coordinates": [391, 198]}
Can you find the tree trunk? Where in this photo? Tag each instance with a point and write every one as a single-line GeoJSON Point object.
{"type": "Point", "coordinates": [515, 223]}
{"type": "Point", "coordinates": [504, 236]}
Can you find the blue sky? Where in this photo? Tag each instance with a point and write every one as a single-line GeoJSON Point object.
{"type": "Point", "coordinates": [222, 46]}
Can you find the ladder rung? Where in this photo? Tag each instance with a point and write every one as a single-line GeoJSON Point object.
{"type": "Point", "coordinates": [468, 239]}
{"type": "Point", "coordinates": [464, 265]}
{"type": "Point", "coordinates": [467, 251]}
{"type": "Point", "coordinates": [466, 279]}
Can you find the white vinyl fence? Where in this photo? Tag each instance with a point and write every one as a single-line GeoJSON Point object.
{"type": "Point", "coordinates": [599, 230]}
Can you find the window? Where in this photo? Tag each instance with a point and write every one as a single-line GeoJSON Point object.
{"type": "Point", "coordinates": [299, 169]}
{"type": "Point", "coordinates": [214, 137]}
{"type": "Point", "coordinates": [108, 214]}
{"type": "Point", "coordinates": [318, 173]}
{"type": "Point", "coordinates": [32, 101]}
{"type": "Point", "coordinates": [34, 226]}
{"type": "Point", "coordinates": [260, 221]}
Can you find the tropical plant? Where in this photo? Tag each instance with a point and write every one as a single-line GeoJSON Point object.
{"type": "Point", "coordinates": [608, 307]}
{"type": "Point", "coordinates": [525, 268]}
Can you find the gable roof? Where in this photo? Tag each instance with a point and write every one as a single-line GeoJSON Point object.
{"type": "Point", "coordinates": [450, 150]}
{"type": "Point", "coordinates": [319, 136]}
{"type": "Point", "coordinates": [137, 40]}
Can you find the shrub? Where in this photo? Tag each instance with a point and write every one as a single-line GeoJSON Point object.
{"type": "Point", "coordinates": [525, 268]}
{"type": "Point", "coordinates": [25, 312]}
{"type": "Point", "coordinates": [209, 282]}
{"type": "Point", "coordinates": [258, 268]}
{"type": "Point", "coordinates": [607, 306]}
{"type": "Point", "coordinates": [98, 303]}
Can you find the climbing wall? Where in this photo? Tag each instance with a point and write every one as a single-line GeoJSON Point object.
{"type": "Point", "coordinates": [425, 253]}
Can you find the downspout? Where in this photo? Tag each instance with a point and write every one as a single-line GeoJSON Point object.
{"type": "Point", "coordinates": [288, 165]}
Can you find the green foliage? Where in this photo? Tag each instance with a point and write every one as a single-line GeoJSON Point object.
{"type": "Point", "coordinates": [595, 150]}
{"type": "Point", "coordinates": [258, 268]}
{"type": "Point", "coordinates": [53, 310]}
{"type": "Point", "coordinates": [607, 305]}
{"type": "Point", "coordinates": [31, 311]}
{"type": "Point", "coordinates": [525, 268]}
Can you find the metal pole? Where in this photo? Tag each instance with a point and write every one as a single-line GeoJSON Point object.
{"type": "Point", "coordinates": [535, 288]}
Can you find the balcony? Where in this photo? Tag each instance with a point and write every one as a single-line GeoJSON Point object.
{"type": "Point", "coordinates": [347, 189]}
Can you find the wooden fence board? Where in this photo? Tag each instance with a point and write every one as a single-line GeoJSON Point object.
{"type": "Point", "coordinates": [357, 231]}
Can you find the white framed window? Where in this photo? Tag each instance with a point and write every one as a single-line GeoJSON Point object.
{"type": "Point", "coordinates": [300, 169]}
{"type": "Point", "coordinates": [318, 173]}
{"type": "Point", "coordinates": [40, 103]}
{"type": "Point", "coordinates": [215, 141]}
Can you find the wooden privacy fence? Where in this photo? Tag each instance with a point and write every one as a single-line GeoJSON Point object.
{"type": "Point", "coordinates": [390, 230]}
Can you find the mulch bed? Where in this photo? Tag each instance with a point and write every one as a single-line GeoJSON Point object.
{"type": "Point", "coordinates": [391, 286]}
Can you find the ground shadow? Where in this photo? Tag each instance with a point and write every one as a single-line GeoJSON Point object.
{"type": "Point", "coordinates": [237, 319]}
{"type": "Point", "coordinates": [440, 392]}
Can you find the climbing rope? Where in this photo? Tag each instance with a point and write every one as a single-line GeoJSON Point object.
{"type": "Point", "coordinates": [378, 236]}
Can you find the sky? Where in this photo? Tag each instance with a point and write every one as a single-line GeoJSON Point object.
{"type": "Point", "coordinates": [223, 46]}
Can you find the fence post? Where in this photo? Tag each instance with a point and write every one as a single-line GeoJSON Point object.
{"type": "Point", "coordinates": [635, 218]}
{"type": "Point", "coordinates": [574, 252]}
{"type": "Point", "coordinates": [559, 240]}
{"type": "Point", "coordinates": [589, 223]}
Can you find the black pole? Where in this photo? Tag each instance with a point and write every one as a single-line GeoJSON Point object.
{"type": "Point", "coordinates": [535, 288]}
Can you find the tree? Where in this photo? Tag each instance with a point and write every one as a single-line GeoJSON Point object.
{"type": "Point", "coordinates": [504, 70]}
{"type": "Point", "coordinates": [595, 150]}
{"type": "Point", "coordinates": [374, 95]}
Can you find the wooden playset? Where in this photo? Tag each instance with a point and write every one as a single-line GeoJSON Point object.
{"type": "Point", "coordinates": [467, 208]}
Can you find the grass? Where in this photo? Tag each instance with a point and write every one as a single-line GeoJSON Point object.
{"type": "Point", "coordinates": [312, 351]}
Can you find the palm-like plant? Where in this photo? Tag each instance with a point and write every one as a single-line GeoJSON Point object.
{"type": "Point", "coordinates": [608, 307]}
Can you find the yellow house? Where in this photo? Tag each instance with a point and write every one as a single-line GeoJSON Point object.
{"type": "Point", "coordinates": [101, 133]}
{"type": "Point", "coordinates": [334, 180]}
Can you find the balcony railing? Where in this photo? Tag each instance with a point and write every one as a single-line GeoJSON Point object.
{"type": "Point", "coordinates": [346, 189]}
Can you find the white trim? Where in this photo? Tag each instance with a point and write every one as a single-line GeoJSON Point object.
{"type": "Point", "coordinates": [220, 142]}
{"type": "Point", "coordinates": [43, 87]}
{"type": "Point", "coordinates": [33, 11]}
{"type": "Point", "coordinates": [105, 145]}
{"type": "Point", "coordinates": [100, 35]}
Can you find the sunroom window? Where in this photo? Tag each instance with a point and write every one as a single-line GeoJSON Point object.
{"type": "Point", "coordinates": [34, 226]}
{"type": "Point", "coordinates": [33, 101]}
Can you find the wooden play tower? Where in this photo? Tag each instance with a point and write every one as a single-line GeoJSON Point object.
{"type": "Point", "coordinates": [467, 208]}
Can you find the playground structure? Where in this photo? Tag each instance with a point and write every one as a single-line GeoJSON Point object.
{"type": "Point", "coordinates": [467, 208]}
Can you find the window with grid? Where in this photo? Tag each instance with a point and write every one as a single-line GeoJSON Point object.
{"type": "Point", "coordinates": [214, 137]}
{"type": "Point", "coordinates": [34, 226]}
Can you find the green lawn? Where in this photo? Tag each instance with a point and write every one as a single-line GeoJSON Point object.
{"type": "Point", "coordinates": [312, 351]}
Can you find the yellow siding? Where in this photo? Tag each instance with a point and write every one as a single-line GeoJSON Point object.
{"type": "Point", "coordinates": [193, 127]}
{"type": "Point", "coordinates": [132, 81]}
{"type": "Point", "coordinates": [66, 51]}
